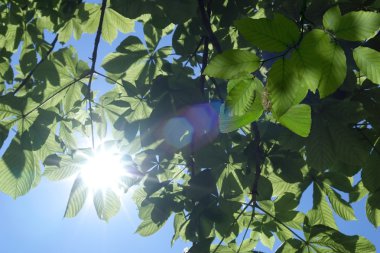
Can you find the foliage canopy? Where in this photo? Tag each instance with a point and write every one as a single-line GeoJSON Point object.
{"type": "Point", "coordinates": [253, 102]}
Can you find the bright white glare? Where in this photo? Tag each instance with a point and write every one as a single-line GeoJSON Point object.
{"type": "Point", "coordinates": [104, 170]}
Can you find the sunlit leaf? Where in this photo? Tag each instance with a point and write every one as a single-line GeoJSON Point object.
{"type": "Point", "coordinates": [232, 64]}
{"type": "Point", "coordinates": [77, 199]}
{"type": "Point", "coordinates": [107, 203]}
{"type": "Point", "coordinates": [297, 119]}
{"type": "Point", "coordinates": [353, 26]}
{"type": "Point", "coordinates": [274, 35]}
{"type": "Point", "coordinates": [368, 61]}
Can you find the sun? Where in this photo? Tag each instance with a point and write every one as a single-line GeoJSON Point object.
{"type": "Point", "coordinates": [103, 170]}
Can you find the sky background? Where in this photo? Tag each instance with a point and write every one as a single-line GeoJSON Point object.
{"type": "Point", "coordinates": [34, 223]}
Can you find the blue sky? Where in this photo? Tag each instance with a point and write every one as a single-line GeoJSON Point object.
{"type": "Point", "coordinates": [35, 223]}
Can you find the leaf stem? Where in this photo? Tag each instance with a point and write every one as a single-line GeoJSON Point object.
{"type": "Point", "coordinates": [280, 222]}
{"type": "Point", "coordinates": [107, 77]}
{"type": "Point", "coordinates": [27, 78]}
{"type": "Point", "coordinates": [233, 223]}
{"type": "Point", "coordinates": [55, 94]}
{"type": "Point", "coordinates": [194, 53]}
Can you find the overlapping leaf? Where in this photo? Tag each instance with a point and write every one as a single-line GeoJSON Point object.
{"type": "Point", "coordinates": [322, 62]}
{"type": "Point", "coordinates": [232, 64]}
{"type": "Point", "coordinates": [368, 61]}
{"type": "Point", "coordinates": [273, 35]}
{"type": "Point", "coordinates": [243, 104]}
{"type": "Point", "coordinates": [353, 26]}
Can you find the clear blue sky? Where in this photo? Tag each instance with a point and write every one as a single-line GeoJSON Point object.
{"type": "Point", "coordinates": [34, 223]}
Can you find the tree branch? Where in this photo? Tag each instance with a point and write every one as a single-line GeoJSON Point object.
{"type": "Point", "coordinates": [207, 26]}
{"type": "Point", "coordinates": [27, 78]}
{"type": "Point", "coordinates": [204, 64]}
{"type": "Point", "coordinates": [93, 59]}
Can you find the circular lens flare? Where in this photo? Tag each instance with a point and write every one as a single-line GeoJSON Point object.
{"type": "Point", "coordinates": [103, 170]}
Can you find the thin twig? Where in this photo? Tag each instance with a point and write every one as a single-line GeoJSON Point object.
{"type": "Point", "coordinates": [280, 222]}
{"type": "Point", "coordinates": [235, 220]}
{"type": "Point", "coordinates": [194, 53]}
{"type": "Point", "coordinates": [255, 147]}
{"type": "Point", "coordinates": [27, 78]}
{"type": "Point", "coordinates": [246, 230]}
{"type": "Point", "coordinates": [107, 77]}
{"type": "Point", "coordinates": [218, 91]}
{"type": "Point", "coordinates": [92, 71]}
{"type": "Point", "coordinates": [55, 94]}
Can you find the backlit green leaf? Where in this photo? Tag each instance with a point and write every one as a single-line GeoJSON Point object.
{"type": "Point", "coordinates": [61, 169]}
{"type": "Point", "coordinates": [284, 86]}
{"type": "Point", "coordinates": [273, 35]}
{"type": "Point", "coordinates": [353, 26]}
{"type": "Point", "coordinates": [322, 62]}
{"type": "Point", "coordinates": [297, 119]}
{"type": "Point", "coordinates": [107, 203]}
{"type": "Point", "coordinates": [368, 61]}
{"type": "Point", "coordinates": [148, 227]}
{"type": "Point", "coordinates": [338, 242]}
{"type": "Point", "coordinates": [18, 169]}
{"type": "Point", "coordinates": [373, 210]}
{"type": "Point", "coordinates": [77, 199]}
{"type": "Point", "coordinates": [232, 64]}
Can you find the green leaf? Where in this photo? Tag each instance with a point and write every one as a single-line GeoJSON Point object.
{"type": "Point", "coordinates": [107, 203]}
{"type": "Point", "coordinates": [349, 145]}
{"type": "Point", "coordinates": [267, 241]}
{"type": "Point", "coordinates": [358, 192]}
{"type": "Point", "coordinates": [321, 62]}
{"type": "Point", "coordinates": [242, 93]}
{"type": "Point", "coordinates": [139, 109]}
{"type": "Point", "coordinates": [134, 63]}
{"type": "Point", "coordinates": [18, 169]}
{"type": "Point", "coordinates": [243, 104]}
{"type": "Point", "coordinates": [371, 172]}
{"type": "Point", "coordinates": [63, 168]}
{"type": "Point", "coordinates": [71, 27]}
{"type": "Point", "coordinates": [113, 21]}
{"type": "Point", "coordinates": [273, 35]}
{"type": "Point", "coordinates": [337, 242]}
{"type": "Point", "coordinates": [232, 64]}
{"type": "Point", "coordinates": [321, 212]}
{"type": "Point", "coordinates": [78, 196]}
{"type": "Point", "coordinates": [373, 211]}
{"type": "Point", "coordinates": [291, 246]}
{"type": "Point", "coordinates": [337, 180]}
{"type": "Point", "coordinates": [3, 134]}
{"type": "Point", "coordinates": [353, 26]}
{"type": "Point", "coordinates": [148, 227]}
{"type": "Point", "coordinates": [340, 206]}
{"type": "Point", "coordinates": [368, 61]}
{"type": "Point", "coordinates": [285, 86]}
{"type": "Point", "coordinates": [297, 119]}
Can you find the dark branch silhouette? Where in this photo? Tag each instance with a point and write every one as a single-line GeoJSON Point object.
{"type": "Point", "coordinates": [27, 78]}
{"type": "Point", "coordinates": [93, 59]}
